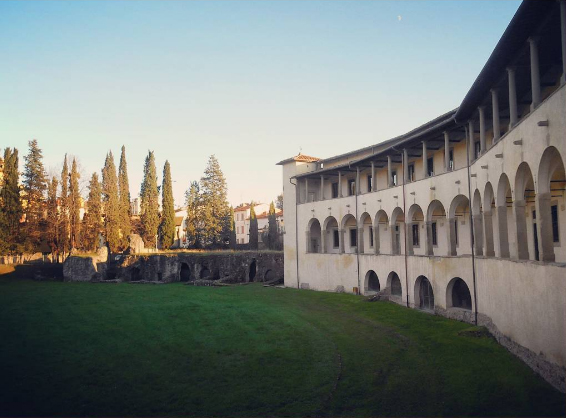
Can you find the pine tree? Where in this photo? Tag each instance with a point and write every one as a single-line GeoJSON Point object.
{"type": "Point", "coordinates": [10, 205]}
{"type": "Point", "coordinates": [92, 222]}
{"type": "Point", "coordinates": [110, 195]}
{"type": "Point", "coordinates": [167, 225]}
{"type": "Point", "coordinates": [272, 228]}
{"type": "Point", "coordinates": [215, 204]}
{"type": "Point", "coordinates": [74, 206]}
{"type": "Point", "coordinates": [232, 229]}
{"type": "Point", "coordinates": [194, 223]}
{"type": "Point", "coordinates": [253, 229]}
{"type": "Point", "coordinates": [52, 235]}
{"type": "Point", "coordinates": [34, 186]}
{"type": "Point", "coordinates": [124, 196]}
{"type": "Point", "coordinates": [64, 228]}
{"type": "Point", "coordinates": [149, 201]}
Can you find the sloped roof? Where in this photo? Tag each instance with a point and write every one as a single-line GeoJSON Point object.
{"type": "Point", "coordinates": [179, 220]}
{"type": "Point", "coordinates": [301, 158]}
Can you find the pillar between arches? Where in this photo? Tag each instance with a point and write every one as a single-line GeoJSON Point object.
{"type": "Point", "coordinates": [360, 246]}
{"type": "Point", "coordinates": [341, 239]}
{"type": "Point", "coordinates": [503, 232]}
{"type": "Point", "coordinates": [429, 248]}
{"type": "Point", "coordinates": [478, 234]}
{"type": "Point", "coordinates": [544, 230]}
{"type": "Point", "coordinates": [521, 225]}
{"type": "Point", "coordinates": [452, 236]}
{"type": "Point", "coordinates": [376, 239]}
{"type": "Point", "coordinates": [308, 235]}
{"type": "Point", "coordinates": [323, 234]}
{"type": "Point", "coordinates": [488, 234]}
{"type": "Point", "coordinates": [409, 238]}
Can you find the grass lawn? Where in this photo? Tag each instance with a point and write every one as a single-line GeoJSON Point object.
{"type": "Point", "coordinates": [78, 349]}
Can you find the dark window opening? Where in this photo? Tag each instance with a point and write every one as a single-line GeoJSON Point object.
{"type": "Point", "coordinates": [353, 237]}
{"type": "Point", "coordinates": [411, 172]}
{"type": "Point", "coordinates": [554, 215]}
{"type": "Point", "coordinates": [371, 236]}
{"type": "Point", "coordinates": [415, 235]}
{"type": "Point", "coordinates": [372, 282]}
{"type": "Point", "coordinates": [451, 160]}
{"type": "Point", "coordinates": [394, 178]}
{"type": "Point", "coordinates": [185, 273]}
{"type": "Point", "coordinates": [396, 289]}
{"type": "Point", "coordinates": [370, 183]}
{"type": "Point", "coordinates": [434, 237]}
{"type": "Point", "coordinates": [136, 274]}
{"type": "Point", "coordinates": [461, 297]}
{"type": "Point", "coordinates": [352, 187]}
{"type": "Point", "coordinates": [314, 245]}
{"type": "Point", "coordinates": [335, 238]}
{"type": "Point", "coordinates": [477, 149]}
{"type": "Point", "coordinates": [426, 296]}
{"type": "Point", "coordinates": [430, 167]}
{"type": "Point", "coordinates": [334, 190]}
{"type": "Point", "coordinates": [253, 270]}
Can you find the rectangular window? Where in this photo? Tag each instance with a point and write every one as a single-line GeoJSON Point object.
{"type": "Point", "coordinates": [430, 167]}
{"type": "Point", "coordinates": [554, 214]}
{"type": "Point", "coordinates": [451, 160]}
{"type": "Point", "coordinates": [477, 148]}
{"type": "Point", "coordinates": [394, 178]}
{"type": "Point", "coordinates": [334, 190]}
{"type": "Point", "coordinates": [352, 187]}
{"type": "Point", "coordinates": [335, 239]}
{"type": "Point", "coordinates": [415, 235]}
{"type": "Point", "coordinates": [370, 183]}
{"type": "Point", "coordinates": [353, 237]}
{"type": "Point", "coordinates": [411, 172]}
{"type": "Point", "coordinates": [371, 236]}
{"type": "Point", "coordinates": [434, 237]}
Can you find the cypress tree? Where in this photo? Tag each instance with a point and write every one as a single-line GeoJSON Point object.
{"type": "Point", "coordinates": [74, 206]}
{"type": "Point", "coordinates": [167, 225]}
{"type": "Point", "coordinates": [110, 196]}
{"type": "Point", "coordinates": [35, 186]}
{"type": "Point", "coordinates": [272, 228]}
{"type": "Point", "coordinates": [124, 196]}
{"type": "Point", "coordinates": [232, 229]}
{"type": "Point", "coordinates": [52, 235]}
{"type": "Point", "coordinates": [10, 205]}
{"type": "Point", "coordinates": [64, 228]}
{"type": "Point", "coordinates": [215, 204]}
{"type": "Point", "coordinates": [253, 229]}
{"type": "Point", "coordinates": [149, 201]}
{"type": "Point", "coordinates": [194, 220]}
{"type": "Point", "coordinates": [92, 222]}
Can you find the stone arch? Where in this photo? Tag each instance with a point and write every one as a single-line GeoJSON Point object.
{"type": "Point", "coordinates": [371, 283]}
{"type": "Point", "coordinates": [314, 237]}
{"type": "Point", "coordinates": [330, 235]}
{"type": "Point", "coordinates": [269, 275]}
{"type": "Point", "coordinates": [394, 284]}
{"type": "Point", "coordinates": [415, 223]}
{"type": "Point", "coordinates": [504, 202]}
{"type": "Point", "coordinates": [135, 274]}
{"type": "Point", "coordinates": [252, 270]}
{"type": "Point", "coordinates": [525, 203]}
{"type": "Point", "coordinates": [550, 197]}
{"type": "Point", "coordinates": [424, 294]}
{"type": "Point", "coordinates": [458, 294]}
{"type": "Point", "coordinates": [488, 211]}
{"type": "Point", "coordinates": [349, 234]}
{"type": "Point", "coordinates": [397, 231]}
{"type": "Point", "coordinates": [365, 234]}
{"type": "Point", "coordinates": [477, 216]}
{"type": "Point", "coordinates": [381, 223]}
{"type": "Point", "coordinates": [205, 273]}
{"type": "Point", "coordinates": [185, 273]}
{"type": "Point", "coordinates": [436, 229]}
{"type": "Point", "coordinates": [459, 224]}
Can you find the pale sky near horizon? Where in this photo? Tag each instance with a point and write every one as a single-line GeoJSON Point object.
{"type": "Point", "coordinates": [252, 82]}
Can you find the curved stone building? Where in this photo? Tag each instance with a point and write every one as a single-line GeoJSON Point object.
{"type": "Point", "coordinates": [464, 216]}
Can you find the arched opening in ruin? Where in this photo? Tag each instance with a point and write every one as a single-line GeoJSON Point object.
{"type": "Point", "coordinates": [371, 283]}
{"type": "Point", "coordinates": [458, 294]}
{"type": "Point", "coordinates": [424, 296]}
{"type": "Point", "coordinates": [269, 275]}
{"type": "Point", "coordinates": [205, 273]}
{"type": "Point", "coordinates": [394, 283]}
{"type": "Point", "coordinates": [135, 274]}
{"type": "Point", "coordinates": [253, 271]}
{"type": "Point", "coordinates": [184, 273]}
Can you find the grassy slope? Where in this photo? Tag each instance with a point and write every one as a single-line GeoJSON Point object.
{"type": "Point", "coordinates": [102, 349]}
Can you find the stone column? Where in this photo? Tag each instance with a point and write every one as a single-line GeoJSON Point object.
{"type": "Point", "coordinates": [393, 240]}
{"type": "Point", "coordinates": [488, 233]}
{"type": "Point", "coordinates": [321, 187]}
{"type": "Point", "coordinates": [409, 238]}
{"type": "Point", "coordinates": [340, 184]}
{"type": "Point", "coordinates": [429, 247]}
{"type": "Point", "coordinates": [544, 227]}
{"type": "Point", "coordinates": [446, 152]}
{"type": "Point", "coordinates": [376, 238]}
{"type": "Point", "coordinates": [389, 172]}
{"type": "Point", "coordinates": [495, 115]}
{"type": "Point", "coordinates": [308, 235]}
{"type": "Point", "coordinates": [478, 234]}
{"type": "Point", "coordinates": [373, 179]}
{"type": "Point", "coordinates": [535, 75]}
{"type": "Point", "coordinates": [405, 166]}
{"type": "Point", "coordinates": [521, 224]}
{"type": "Point", "coordinates": [452, 236]}
{"type": "Point", "coordinates": [357, 180]}
{"type": "Point", "coordinates": [563, 37]}
{"type": "Point", "coordinates": [471, 136]}
{"type": "Point", "coordinates": [306, 190]}
{"type": "Point", "coordinates": [483, 145]}
{"type": "Point", "coordinates": [361, 240]}
{"type": "Point", "coordinates": [512, 98]}
{"type": "Point", "coordinates": [323, 234]}
{"type": "Point", "coordinates": [341, 240]}
{"type": "Point", "coordinates": [425, 161]}
{"type": "Point", "coordinates": [503, 233]}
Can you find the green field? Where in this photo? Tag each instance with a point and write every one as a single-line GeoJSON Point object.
{"type": "Point", "coordinates": [81, 349]}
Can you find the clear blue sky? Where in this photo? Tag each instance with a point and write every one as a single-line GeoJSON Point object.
{"type": "Point", "coordinates": [250, 81]}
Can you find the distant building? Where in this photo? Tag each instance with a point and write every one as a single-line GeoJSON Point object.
{"type": "Point", "coordinates": [135, 207]}
{"type": "Point", "coordinates": [180, 228]}
{"type": "Point", "coordinates": [242, 222]}
{"type": "Point", "coordinates": [263, 222]}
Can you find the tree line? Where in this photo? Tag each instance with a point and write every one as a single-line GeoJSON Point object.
{"type": "Point", "coordinates": [42, 214]}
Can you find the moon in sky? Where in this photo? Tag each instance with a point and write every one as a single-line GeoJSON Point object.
{"type": "Point", "coordinates": [399, 18]}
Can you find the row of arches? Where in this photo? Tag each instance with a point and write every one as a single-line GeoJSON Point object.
{"type": "Point", "coordinates": [457, 292]}
{"type": "Point", "coordinates": [520, 222]}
